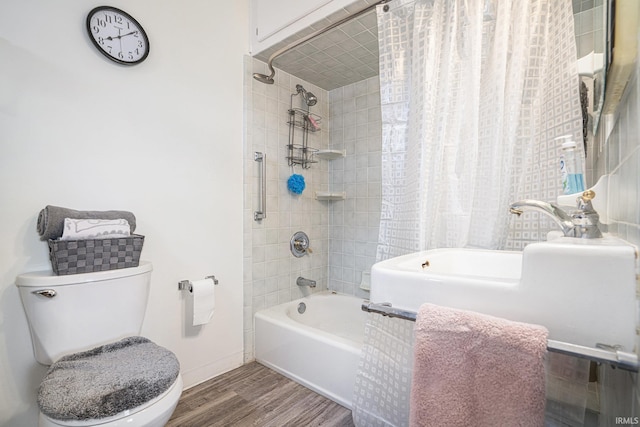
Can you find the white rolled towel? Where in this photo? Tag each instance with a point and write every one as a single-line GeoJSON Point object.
{"type": "Point", "coordinates": [81, 229]}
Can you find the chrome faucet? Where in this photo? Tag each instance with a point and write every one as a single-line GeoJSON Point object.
{"type": "Point", "coordinates": [301, 281]}
{"type": "Point", "coordinates": [582, 222]}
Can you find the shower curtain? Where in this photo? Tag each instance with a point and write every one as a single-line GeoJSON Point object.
{"type": "Point", "coordinates": [473, 94]}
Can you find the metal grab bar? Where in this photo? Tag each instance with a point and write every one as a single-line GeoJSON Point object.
{"type": "Point", "coordinates": [262, 159]}
{"type": "Point", "coordinates": [612, 355]}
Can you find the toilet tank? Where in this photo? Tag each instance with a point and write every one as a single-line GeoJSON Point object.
{"type": "Point", "coordinates": [78, 312]}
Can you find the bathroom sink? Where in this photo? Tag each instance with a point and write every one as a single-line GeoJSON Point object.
{"type": "Point", "coordinates": [582, 290]}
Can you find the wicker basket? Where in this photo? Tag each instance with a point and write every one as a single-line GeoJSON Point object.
{"type": "Point", "coordinates": [85, 256]}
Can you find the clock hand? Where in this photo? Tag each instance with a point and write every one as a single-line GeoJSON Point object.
{"type": "Point", "coordinates": [128, 34]}
{"type": "Point", "coordinates": [121, 36]}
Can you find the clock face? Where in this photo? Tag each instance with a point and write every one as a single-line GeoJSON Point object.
{"type": "Point", "coordinates": [117, 35]}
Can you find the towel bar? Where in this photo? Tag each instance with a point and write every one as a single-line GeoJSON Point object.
{"type": "Point", "coordinates": [185, 285]}
{"type": "Point", "coordinates": [262, 159]}
{"type": "Point", "coordinates": [602, 353]}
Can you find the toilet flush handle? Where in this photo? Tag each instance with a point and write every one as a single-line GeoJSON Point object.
{"type": "Point", "coordinates": [49, 293]}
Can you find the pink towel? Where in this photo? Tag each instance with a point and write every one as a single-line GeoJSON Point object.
{"type": "Point", "coordinates": [471, 369]}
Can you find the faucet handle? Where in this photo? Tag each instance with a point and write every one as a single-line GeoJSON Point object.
{"type": "Point", "coordinates": [586, 218]}
{"type": "Point", "coordinates": [588, 195]}
{"type": "Point", "coordinates": [584, 201]}
{"type": "Point", "coordinates": [299, 244]}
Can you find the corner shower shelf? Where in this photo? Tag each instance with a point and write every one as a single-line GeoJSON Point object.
{"type": "Point", "coordinates": [330, 154]}
{"type": "Point", "coordinates": [328, 195]}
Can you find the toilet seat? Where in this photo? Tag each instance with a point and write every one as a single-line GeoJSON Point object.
{"type": "Point", "coordinates": [108, 383]}
{"type": "Point", "coordinates": [154, 413]}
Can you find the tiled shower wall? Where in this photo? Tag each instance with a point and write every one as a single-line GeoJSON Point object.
{"type": "Point", "coordinates": [354, 223]}
{"type": "Point", "coordinates": [343, 233]}
{"type": "Point", "coordinates": [589, 26]}
{"type": "Point", "coordinates": [270, 270]}
{"type": "Point", "coordinates": [618, 153]}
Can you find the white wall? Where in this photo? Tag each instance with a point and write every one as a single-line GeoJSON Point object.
{"type": "Point", "coordinates": [162, 139]}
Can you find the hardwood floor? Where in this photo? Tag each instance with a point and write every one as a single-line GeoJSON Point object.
{"type": "Point", "coordinates": [254, 395]}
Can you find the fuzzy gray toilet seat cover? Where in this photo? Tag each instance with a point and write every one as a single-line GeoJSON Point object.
{"type": "Point", "coordinates": [107, 380]}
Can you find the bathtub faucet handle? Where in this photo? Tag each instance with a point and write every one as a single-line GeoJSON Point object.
{"type": "Point", "coordinates": [300, 244]}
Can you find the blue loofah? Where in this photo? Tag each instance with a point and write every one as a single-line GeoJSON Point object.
{"type": "Point", "coordinates": [295, 183]}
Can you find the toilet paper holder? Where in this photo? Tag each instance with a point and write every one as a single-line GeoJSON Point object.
{"type": "Point", "coordinates": [185, 285]}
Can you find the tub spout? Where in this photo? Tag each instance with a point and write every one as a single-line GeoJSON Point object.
{"type": "Point", "coordinates": [301, 281]}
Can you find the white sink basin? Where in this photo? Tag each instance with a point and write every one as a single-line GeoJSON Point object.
{"type": "Point", "coordinates": [582, 290]}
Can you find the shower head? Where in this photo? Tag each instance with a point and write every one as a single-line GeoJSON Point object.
{"type": "Point", "coordinates": [309, 98]}
{"type": "Point", "coordinates": [263, 78]}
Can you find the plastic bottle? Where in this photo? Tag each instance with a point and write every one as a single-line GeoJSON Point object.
{"type": "Point", "coordinates": [571, 167]}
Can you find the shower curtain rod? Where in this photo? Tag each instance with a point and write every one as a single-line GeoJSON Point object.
{"type": "Point", "coordinates": [269, 79]}
{"type": "Point", "coordinates": [602, 354]}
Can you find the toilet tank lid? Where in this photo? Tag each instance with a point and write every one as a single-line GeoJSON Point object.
{"type": "Point", "coordinates": [47, 278]}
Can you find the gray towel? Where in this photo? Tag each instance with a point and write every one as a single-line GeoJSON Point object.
{"type": "Point", "coordinates": [51, 219]}
{"type": "Point", "coordinates": [107, 380]}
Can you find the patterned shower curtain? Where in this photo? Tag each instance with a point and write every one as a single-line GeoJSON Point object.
{"type": "Point", "coordinates": [473, 94]}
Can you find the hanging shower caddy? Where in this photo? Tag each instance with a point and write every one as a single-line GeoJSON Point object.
{"type": "Point", "coordinates": [301, 122]}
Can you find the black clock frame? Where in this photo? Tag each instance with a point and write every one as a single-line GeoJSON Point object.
{"type": "Point", "coordinates": [132, 19]}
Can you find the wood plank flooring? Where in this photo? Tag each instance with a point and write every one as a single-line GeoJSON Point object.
{"type": "Point", "coordinates": [254, 395]}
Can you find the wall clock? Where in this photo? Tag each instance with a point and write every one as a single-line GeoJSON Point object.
{"type": "Point", "coordinates": [117, 35]}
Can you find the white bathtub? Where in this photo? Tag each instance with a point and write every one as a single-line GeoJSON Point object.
{"type": "Point", "coordinates": [319, 348]}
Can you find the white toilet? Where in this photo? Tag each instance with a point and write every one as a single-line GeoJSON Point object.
{"type": "Point", "coordinates": [69, 315]}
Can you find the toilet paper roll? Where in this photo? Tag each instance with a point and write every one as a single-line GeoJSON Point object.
{"type": "Point", "coordinates": [202, 292]}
